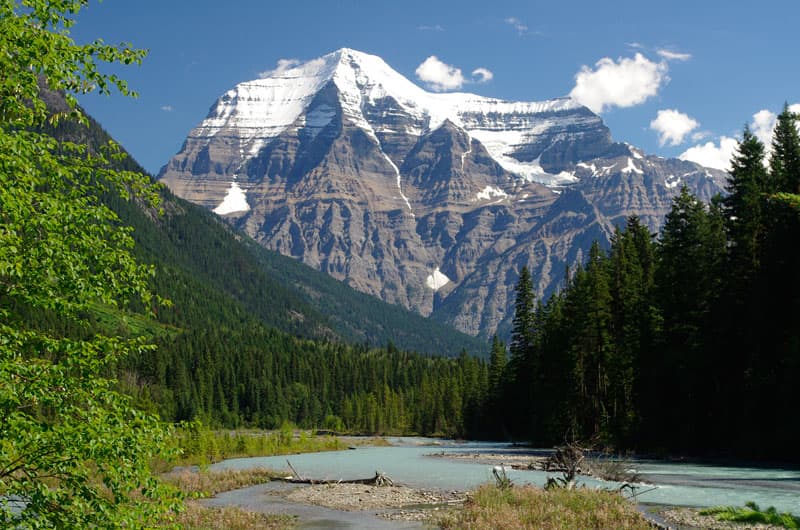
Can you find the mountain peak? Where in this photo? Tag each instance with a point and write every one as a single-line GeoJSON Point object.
{"type": "Point", "coordinates": [343, 162]}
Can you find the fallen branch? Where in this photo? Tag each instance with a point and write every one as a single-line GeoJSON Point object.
{"type": "Point", "coordinates": [380, 479]}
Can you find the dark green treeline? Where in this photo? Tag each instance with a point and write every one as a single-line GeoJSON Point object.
{"type": "Point", "coordinates": [261, 378]}
{"type": "Point", "coordinates": [685, 343]}
{"type": "Point", "coordinates": [251, 338]}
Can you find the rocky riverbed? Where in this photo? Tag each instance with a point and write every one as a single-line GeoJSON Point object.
{"type": "Point", "coordinates": [352, 497]}
{"type": "Point", "coordinates": [512, 460]}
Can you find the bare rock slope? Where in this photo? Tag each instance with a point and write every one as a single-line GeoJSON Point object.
{"type": "Point", "coordinates": [430, 201]}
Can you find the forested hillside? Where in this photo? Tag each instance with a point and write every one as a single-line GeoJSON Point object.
{"type": "Point", "coordinates": [253, 338]}
{"type": "Point", "coordinates": [686, 343]}
{"type": "Point", "coordinates": [683, 341]}
{"type": "Point", "coordinates": [200, 258]}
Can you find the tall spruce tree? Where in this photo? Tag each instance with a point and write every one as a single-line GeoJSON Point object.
{"type": "Point", "coordinates": [522, 324]}
{"type": "Point", "coordinates": [744, 205]}
{"type": "Point", "coordinates": [591, 343]}
{"type": "Point", "coordinates": [518, 406]}
{"type": "Point", "coordinates": [497, 367]}
{"type": "Point", "coordinates": [631, 262]}
{"type": "Point", "coordinates": [774, 367]}
{"type": "Point", "coordinates": [785, 160]}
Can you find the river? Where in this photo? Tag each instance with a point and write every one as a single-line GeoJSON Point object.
{"type": "Point", "coordinates": [408, 461]}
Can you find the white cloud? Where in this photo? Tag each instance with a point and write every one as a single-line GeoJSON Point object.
{"type": "Point", "coordinates": [672, 126]}
{"type": "Point", "coordinates": [763, 124]}
{"type": "Point", "coordinates": [517, 24]}
{"type": "Point", "coordinates": [624, 83]}
{"type": "Point", "coordinates": [712, 155]}
{"type": "Point", "coordinates": [438, 75]}
{"type": "Point", "coordinates": [435, 27]}
{"type": "Point", "coordinates": [719, 155]}
{"type": "Point", "coordinates": [482, 75]}
{"type": "Point", "coordinates": [673, 56]}
{"type": "Point", "coordinates": [700, 135]}
{"type": "Point", "coordinates": [280, 67]}
{"type": "Point", "coordinates": [166, 108]}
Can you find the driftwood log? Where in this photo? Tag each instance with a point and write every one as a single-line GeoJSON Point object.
{"type": "Point", "coordinates": [380, 479]}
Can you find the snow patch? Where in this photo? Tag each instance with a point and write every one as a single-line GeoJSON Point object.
{"type": "Point", "coordinates": [399, 186]}
{"type": "Point", "coordinates": [631, 168]}
{"type": "Point", "coordinates": [672, 181]}
{"type": "Point", "coordinates": [235, 201]}
{"type": "Point", "coordinates": [466, 153]}
{"type": "Point", "coordinates": [318, 118]}
{"type": "Point", "coordinates": [501, 143]}
{"type": "Point", "coordinates": [490, 192]}
{"type": "Point", "coordinates": [436, 280]}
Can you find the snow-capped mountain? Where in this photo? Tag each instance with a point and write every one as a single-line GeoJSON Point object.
{"type": "Point", "coordinates": [433, 201]}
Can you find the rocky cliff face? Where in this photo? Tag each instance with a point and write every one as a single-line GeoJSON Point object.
{"type": "Point", "coordinates": [431, 201]}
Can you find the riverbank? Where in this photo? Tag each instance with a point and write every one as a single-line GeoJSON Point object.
{"type": "Point", "coordinates": [244, 498]}
{"type": "Point", "coordinates": [512, 460]}
{"type": "Point", "coordinates": [399, 503]}
{"type": "Point", "coordinates": [690, 518]}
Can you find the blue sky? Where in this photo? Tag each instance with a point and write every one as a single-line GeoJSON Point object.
{"type": "Point", "coordinates": [665, 76]}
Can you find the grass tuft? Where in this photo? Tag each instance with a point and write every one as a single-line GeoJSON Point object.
{"type": "Point", "coordinates": [533, 508]}
{"type": "Point", "coordinates": [751, 513]}
{"type": "Point", "coordinates": [197, 517]}
{"type": "Point", "coordinates": [208, 483]}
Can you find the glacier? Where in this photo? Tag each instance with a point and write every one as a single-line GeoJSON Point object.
{"type": "Point", "coordinates": [261, 109]}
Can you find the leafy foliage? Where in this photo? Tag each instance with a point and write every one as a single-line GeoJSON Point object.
{"type": "Point", "coordinates": [73, 452]}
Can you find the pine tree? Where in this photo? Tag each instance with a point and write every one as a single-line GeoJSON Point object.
{"type": "Point", "coordinates": [497, 367]}
{"type": "Point", "coordinates": [522, 324]}
{"type": "Point", "coordinates": [631, 262]}
{"type": "Point", "coordinates": [774, 366]}
{"type": "Point", "coordinates": [785, 160]}
{"type": "Point", "coordinates": [688, 265]}
{"type": "Point", "coordinates": [746, 187]}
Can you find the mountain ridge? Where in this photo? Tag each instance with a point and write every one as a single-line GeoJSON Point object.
{"type": "Point", "coordinates": [208, 267]}
{"type": "Point", "coordinates": [412, 196]}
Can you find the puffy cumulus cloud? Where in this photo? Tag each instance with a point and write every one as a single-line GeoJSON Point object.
{"type": "Point", "coordinates": [482, 75]}
{"type": "Point", "coordinates": [517, 24]}
{"type": "Point", "coordinates": [763, 124]}
{"type": "Point", "coordinates": [673, 56]}
{"type": "Point", "coordinates": [713, 155]}
{"type": "Point", "coordinates": [719, 155]}
{"type": "Point", "coordinates": [626, 82]}
{"type": "Point", "coordinates": [438, 75]}
{"type": "Point", "coordinates": [672, 126]}
{"type": "Point", "coordinates": [280, 67]}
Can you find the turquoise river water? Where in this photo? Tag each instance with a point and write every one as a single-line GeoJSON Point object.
{"type": "Point", "coordinates": [408, 461]}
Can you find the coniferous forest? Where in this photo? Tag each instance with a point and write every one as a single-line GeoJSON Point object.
{"type": "Point", "coordinates": [684, 342]}
{"type": "Point", "coordinates": [679, 342]}
{"type": "Point", "coordinates": [250, 338]}
{"type": "Point", "coordinates": [124, 310]}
